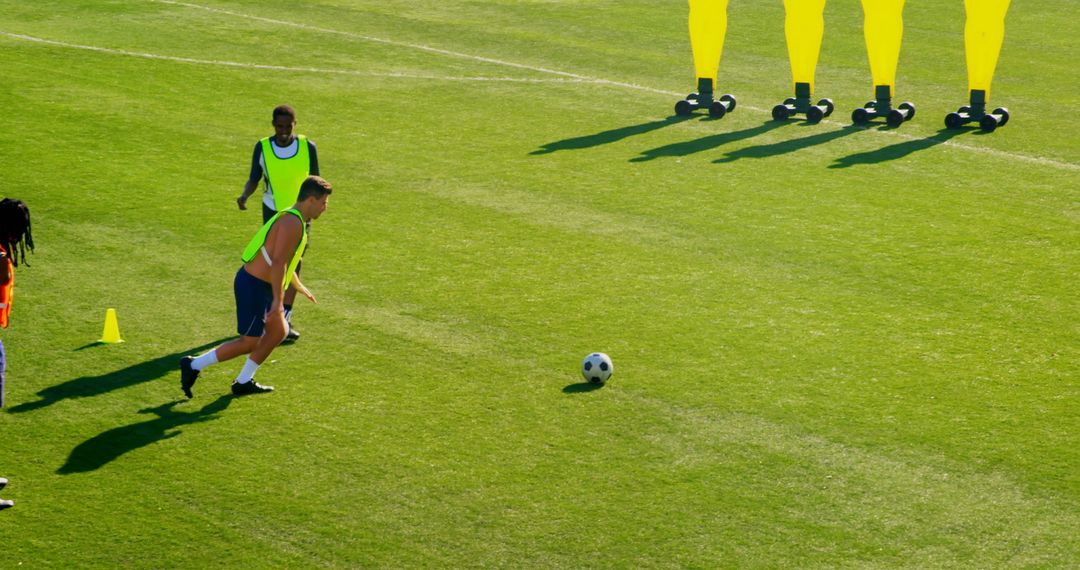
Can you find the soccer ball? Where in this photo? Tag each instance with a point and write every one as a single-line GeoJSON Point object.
{"type": "Point", "coordinates": [597, 368]}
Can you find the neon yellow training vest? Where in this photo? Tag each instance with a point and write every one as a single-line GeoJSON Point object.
{"type": "Point", "coordinates": [286, 174]}
{"type": "Point", "coordinates": [259, 240]}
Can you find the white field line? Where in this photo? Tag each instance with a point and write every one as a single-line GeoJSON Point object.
{"type": "Point", "coordinates": [282, 67]}
{"type": "Point", "coordinates": [586, 79]}
{"type": "Point", "coordinates": [421, 47]}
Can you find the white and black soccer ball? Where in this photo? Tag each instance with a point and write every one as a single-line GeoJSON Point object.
{"type": "Point", "coordinates": [597, 368]}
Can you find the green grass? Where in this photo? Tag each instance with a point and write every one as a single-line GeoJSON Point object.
{"type": "Point", "coordinates": [834, 347]}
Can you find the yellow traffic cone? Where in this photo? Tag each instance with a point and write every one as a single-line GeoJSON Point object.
{"type": "Point", "coordinates": [111, 334]}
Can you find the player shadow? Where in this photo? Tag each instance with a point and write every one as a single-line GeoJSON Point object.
{"type": "Point", "coordinates": [898, 150]}
{"type": "Point", "coordinates": [99, 450]}
{"type": "Point", "coordinates": [87, 386]}
{"type": "Point", "coordinates": [581, 387]}
{"type": "Point", "coordinates": [787, 146]}
{"type": "Point", "coordinates": [609, 136]}
{"type": "Point", "coordinates": [687, 148]}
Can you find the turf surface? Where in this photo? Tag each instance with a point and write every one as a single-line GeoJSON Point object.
{"type": "Point", "coordinates": [834, 346]}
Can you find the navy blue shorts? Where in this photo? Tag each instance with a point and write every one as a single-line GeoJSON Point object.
{"type": "Point", "coordinates": [253, 299]}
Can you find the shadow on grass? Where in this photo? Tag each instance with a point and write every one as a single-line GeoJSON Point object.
{"type": "Point", "coordinates": [898, 150]}
{"type": "Point", "coordinates": [86, 386]}
{"type": "Point", "coordinates": [786, 146]}
{"type": "Point", "coordinates": [610, 136]}
{"type": "Point", "coordinates": [706, 143]}
{"type": "Point", "coordinates": [99, 450]}
{"type": "Point", "coordinates": [581, 387]}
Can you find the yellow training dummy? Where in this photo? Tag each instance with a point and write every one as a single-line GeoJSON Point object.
{"type": "Point", "coordinates": [804, 26]}
{"type": "Point", "coordinates": [883, 28]}
{"type": "Point", "coordinates": [708, 26]}
{"type": "Point", "coordinates": [984, 32]}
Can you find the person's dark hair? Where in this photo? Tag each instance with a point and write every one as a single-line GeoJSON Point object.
{"type": "Point", "coordinates": [15, 233]}
{"type": "Point", "coordinates": [284, 111]}
{"type": "Point", "coordinates": [314, 186]}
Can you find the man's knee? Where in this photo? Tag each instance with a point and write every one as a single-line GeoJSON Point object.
{"type": "Point", "coordinates": [274, 335]}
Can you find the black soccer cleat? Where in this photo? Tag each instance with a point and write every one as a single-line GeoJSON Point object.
{"type": "Point", "coordinates": [250, 387]}
{"type": "Point", "coordinates": [3, 482]}
{"type": "Point", "coordinates": [293, 335]}
{"type": "Point", "coordinates": [6, 504]}
{"type": "Point", "coordinates": [188, 375]}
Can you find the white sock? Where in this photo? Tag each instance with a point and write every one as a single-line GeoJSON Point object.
{"type": "Point", "coordinates": [248, 372]}
{"type": "Point", "coordinates": [205, 360]}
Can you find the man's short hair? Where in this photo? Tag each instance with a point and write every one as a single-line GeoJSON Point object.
{"type": "Point", "coordinates": [314, 186]}
{"type": "Point", "coordinates": [284, 111]}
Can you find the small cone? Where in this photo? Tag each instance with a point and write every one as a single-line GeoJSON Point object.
{"type": "Point", "coordinates": [111, 334]}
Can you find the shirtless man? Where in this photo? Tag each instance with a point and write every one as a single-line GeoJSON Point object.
{"type": "Point", "coordinates": [269, 270]}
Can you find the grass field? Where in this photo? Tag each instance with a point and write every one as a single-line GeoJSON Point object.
{"type": "Point", "coordinates": [835, 347]}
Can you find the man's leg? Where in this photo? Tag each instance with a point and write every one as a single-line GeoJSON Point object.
{"type": "Point", "coordinates": [252, 300]}
{"type": "Point", "coordinates": [230, 350]}
{"type": "Point", "coordinates": [190, 367]}
{"type": "Point", "coordinates": [273, 333]}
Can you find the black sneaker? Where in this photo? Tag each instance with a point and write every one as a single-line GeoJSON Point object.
{"type": "Point", "coordinates": [3, 482]}
{"type": "Point", "coordinates": [188, 375]}
{"type": "Point", "coordinates": [250, 387]}
{"type": "Point", "coordinates": [293, 335]}
{"type": "Point", "coordinates": [6, 504]}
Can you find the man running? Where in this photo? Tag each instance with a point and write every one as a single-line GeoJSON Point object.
{"type": "Point", "coordinates": [283, 161]}
{"type": "Point", "coordinates": [269, 270]}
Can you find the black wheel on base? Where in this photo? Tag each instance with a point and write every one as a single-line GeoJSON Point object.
{"type": "Point", "coordinates": [964, 110]}
{"type": "Point", "coordinates": [954, 121]}
{"type": "Point", "coordinates": [860, 116]}
{"type": "Point", "coordinates": [814, 114]}
{"type": "Point", "coordinates": [895, 118]}
{"type": "Point", "coordinates": [729, 99]}
{"type": "Point", "coordinates": [828, 104]}
{"type": "Point", "coordinates": [683, 108]}
{"type": "Point", "coordinates": [870, 104]}
{"type": "Point", "coordinates": [780, 113]}
{"type": "Point", "coordinates": [1004, 115]}
{"type": "Point", "coordinates": [910, 108]}
{"type": "Point", "coordinates": [717, 110]}
{"type": "Point", "coordinates": [988, 123]}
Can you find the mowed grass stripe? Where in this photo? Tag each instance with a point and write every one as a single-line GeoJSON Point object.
{"type": "Point", "coordinates": [880, 494]}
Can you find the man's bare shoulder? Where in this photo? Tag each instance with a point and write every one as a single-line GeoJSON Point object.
{"type": "Point", "coordinates": [286, 229]}
{"type": "Point", "coordinates": [289, 221]}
